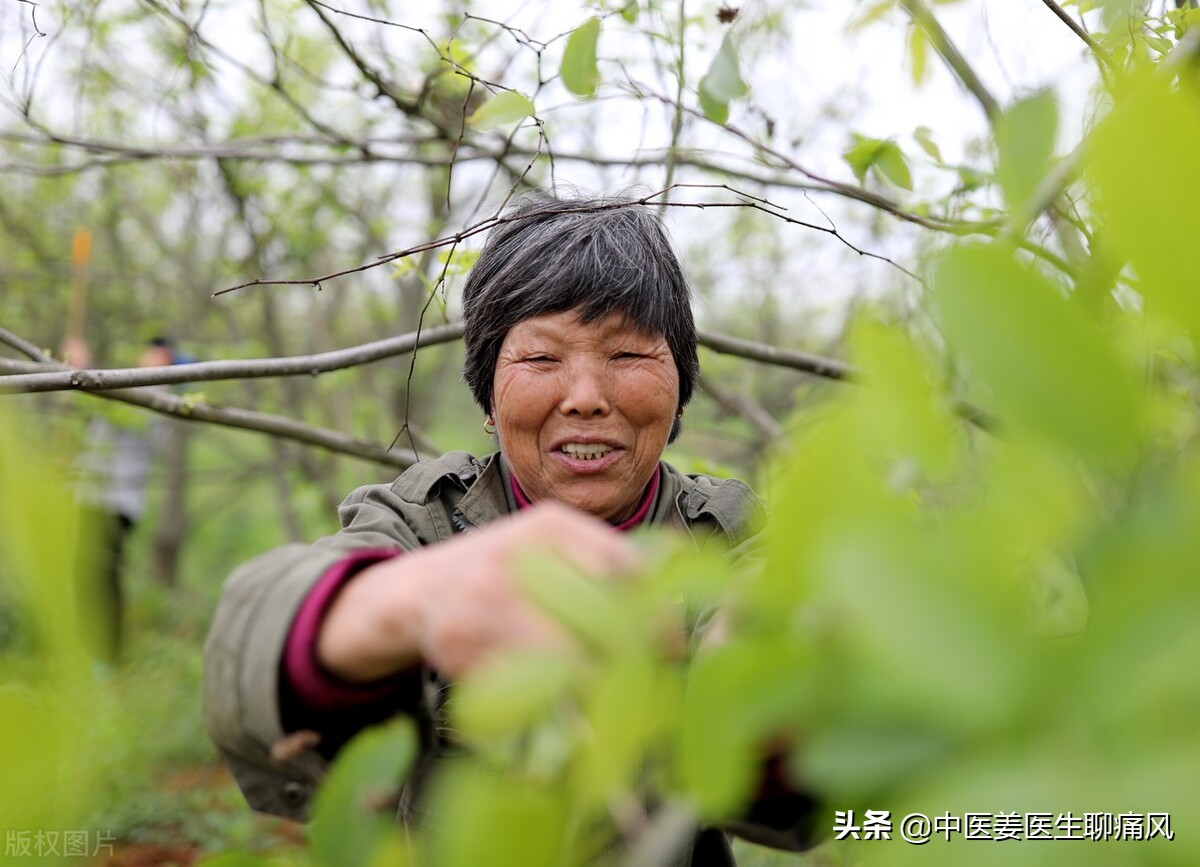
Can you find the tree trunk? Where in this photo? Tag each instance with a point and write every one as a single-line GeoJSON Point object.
{"type": "Point", "coordinates": [173, 520]}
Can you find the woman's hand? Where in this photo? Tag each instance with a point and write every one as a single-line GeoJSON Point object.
{"type": "Point", "coordinates": [455, 604]}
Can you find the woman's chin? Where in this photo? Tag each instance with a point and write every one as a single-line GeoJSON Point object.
{"type": "Point", "coordinates": [604, 504]}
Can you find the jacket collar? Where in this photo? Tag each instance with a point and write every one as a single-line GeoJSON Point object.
{"type": "Point", "coordinates": [490, 496]}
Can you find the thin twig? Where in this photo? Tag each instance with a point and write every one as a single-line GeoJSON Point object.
{"type": "Point", "coordinates": [746, 201]}
{"type": "Point", "coordinates": [249, 150]}
{"type": "Point", "coordinates": [958, 64]}
{"type": "Point", "coordinates": [677, 120]}
{"type": "Point", "coordinates": [1078, 30]}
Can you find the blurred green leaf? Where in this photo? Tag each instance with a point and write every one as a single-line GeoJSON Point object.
{"type": "Point", "coordinates": [722, 83]}
{"type": "Point", "coordinates": [899, 400]}
{"type": "Point", "coordinates": [737, 699]}
{"type": "Point", "coordinates": [479, 816]}
{"type": "Point", "coordinates": [354, 812]}
{"type": "Point", "coordinates": [713, 108]}
{"type": "Point", "coordinates": [633, 704]}
{"type": "Point", "coordinates": [501, 109]}
{"type": "Point", "coordinates": [1147, 189]}
{"type": "Point", "coordinates": [579, 71]}
{"type": "Point", "coordinates": [890, 162]}
{"type": "Point", "coordinates": [1025, 136]}
{"type": "Point", "coordinates": [1048, 366]}
{"type": "Point", "coordinates": [918, 52]}
{"type": "Point", "coordinates": [586, 608]}
{"type": "Point", "coordinates": [924, 137]}
{"type": "Point", "coordinates": [871, 14]}
{"type": "Point", "coordinates": [861, 155]}
{"type": "Point", "coordinates": [511, 692]}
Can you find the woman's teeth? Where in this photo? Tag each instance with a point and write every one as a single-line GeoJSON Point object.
{"type": "Point", "coordinates": [586, 451]}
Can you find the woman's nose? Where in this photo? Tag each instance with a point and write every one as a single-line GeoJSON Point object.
{"type": "Point", "coordinates": [585, 392]}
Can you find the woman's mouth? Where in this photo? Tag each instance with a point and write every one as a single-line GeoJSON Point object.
{"type": "Point", "coordinates": [585, 451]}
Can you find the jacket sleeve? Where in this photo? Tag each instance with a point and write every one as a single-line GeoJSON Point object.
{"type": "Point", "coordinates": [242, 683]}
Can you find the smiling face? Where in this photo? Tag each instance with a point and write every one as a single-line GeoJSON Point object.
{"type": "Point", "coordinates": [583, 410]}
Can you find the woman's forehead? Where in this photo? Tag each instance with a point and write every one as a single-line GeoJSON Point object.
{"type": "Point", "coordinates": [569, 324]}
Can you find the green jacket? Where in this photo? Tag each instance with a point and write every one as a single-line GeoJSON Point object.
{"type": "Point", "coordinates": [428, 503]}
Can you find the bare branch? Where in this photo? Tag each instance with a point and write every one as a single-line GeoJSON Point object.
{"type": "Point", "coordinates": [746, 200]}
{"type": "Point", "coordinates": [777, 355]}
{"type": "Point", "coordinates": [375, 150]}
{"type": "Point", "coordinates": [821, 183]}
{"type": "Point", "coordinates": [22, 345]}
{"type": "Point", "coordinates": [207, 371]}
{"type": "Point", "coordinates": [958, 64]}
{"type": "Point", "coordinates": [764, 424]}
{"type": "Point", "coordinates": [183, 408]}
{"type": "Point", "coordinates": [1078, 30]}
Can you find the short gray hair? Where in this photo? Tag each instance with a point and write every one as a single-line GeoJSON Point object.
{"type": "Point", "coordinates": [595, 254]}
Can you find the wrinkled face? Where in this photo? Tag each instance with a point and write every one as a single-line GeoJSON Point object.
{"type": "Point", "coordinates": [583, 411]}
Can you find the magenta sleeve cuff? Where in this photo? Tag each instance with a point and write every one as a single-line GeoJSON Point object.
{"type": "Point", "coordinates": [313, 687]}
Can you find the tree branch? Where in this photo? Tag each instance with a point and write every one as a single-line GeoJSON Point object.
{"type": "Point", "coordinates": [734, 403]}
{"type": "Point", "coordinates": [745, 200]}
{"type": "Point", "coordinates": [958, 64]}
{"type": "Point", "coordinates": [777, 355]}
{"type": "Point", "coordinates": [168, 404]}
{"type": "Point", "coordinates": [1078, 30]}
{"type": "Point", "coordinates": [207, 371]}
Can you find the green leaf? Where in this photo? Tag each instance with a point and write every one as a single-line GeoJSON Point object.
{"type": "Point", "coordinates": [1050, 369]}
{"type": "Point", "coordinates": [354, 812]}
{"type": "Point", "coordinates": [923, 136]}
{"type": "Point", "coordinates": [870, 15]}
{"type": "Point", "coordinates": [713, 108]}
{"type": "Point", "coordinates": [629, 707]}
{"type": "Point", "coordinates": [861, 155]}
{"type": "Point", "coordinates": [1025, 145]}
{"type": "Point", "coordinates": [477, 816]}
{"type": "Point", "coordinates": [511, 692]}
{"type": "Point", "coordinates": [898, 401]}
{"type": "Point", "coordinates": [589, 610]}
{"type": "Point", "coordinates": [1148, 185]}
{"type": "Point", "coordinates": [630, 11]}
{"type": "Point", "coordinates": [504, 108]}
{"type": "Point", "coordinates": [970, 179]}
{"type": "Point", "coordinates": [579, 72]}
{"type": "Point", "coordinates": [918, 52]}
{"type": "Point", "coordinates": [890, 162]}
{"type": "Point", "coordinates": [737, 697]}
{"type": "Point", "coordinates": [723, 82]}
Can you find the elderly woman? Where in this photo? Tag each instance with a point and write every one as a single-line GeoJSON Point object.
{"type": "Point", "coordinates": [581, 351]}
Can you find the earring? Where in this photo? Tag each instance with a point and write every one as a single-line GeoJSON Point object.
{"type": "Point", "coordinates": [680, 413]}
{"type": "Point", "coordinates": [489, 426]}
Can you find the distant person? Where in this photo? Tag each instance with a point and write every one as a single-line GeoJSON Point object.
{"type": "Point", "coordinates": [114, 466]}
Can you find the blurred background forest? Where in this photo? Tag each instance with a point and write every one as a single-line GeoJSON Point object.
{"type": "Point", "coordinates": [809, 159]}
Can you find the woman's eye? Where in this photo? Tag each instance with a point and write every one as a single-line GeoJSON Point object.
{"type": "Point", "coordinates": [539, 358]}
{"type": "Point", "coordinates": [630, 355]}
